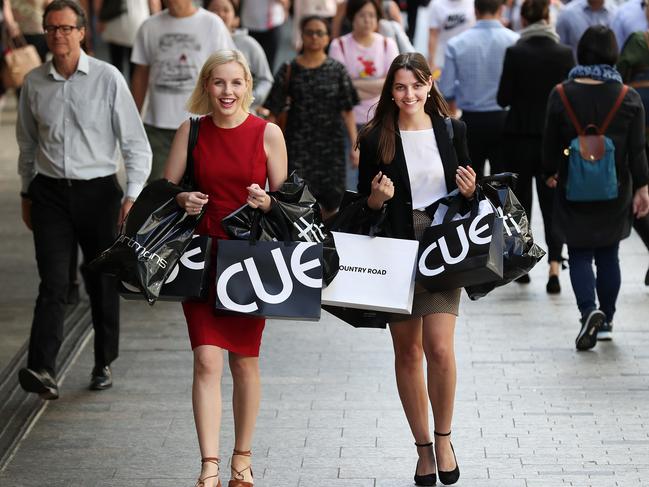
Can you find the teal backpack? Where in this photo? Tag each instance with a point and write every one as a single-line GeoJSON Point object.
{"type": "Point", "coordinates": [591, 157]}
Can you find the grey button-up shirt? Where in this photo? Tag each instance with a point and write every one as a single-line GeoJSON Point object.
{"type": "Point", "coordinates": [73, 128]}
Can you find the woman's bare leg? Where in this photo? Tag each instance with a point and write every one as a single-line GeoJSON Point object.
{"type": "Point", "coordinates": [408, 365]}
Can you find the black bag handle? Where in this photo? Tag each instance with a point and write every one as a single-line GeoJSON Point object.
{"type": "Point", "coordinates": [255, 226]}
{"type": "Point", "coordinates": [188, 183]}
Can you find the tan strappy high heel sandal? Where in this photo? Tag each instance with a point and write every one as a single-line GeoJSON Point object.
{"type": "Point", "coordinates": [237, 475]}
{"type": "Point", "coordinates": [216, 461]}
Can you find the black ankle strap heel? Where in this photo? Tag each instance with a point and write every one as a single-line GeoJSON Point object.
{"type": "Point", "coordinates": [449, 478]}
{"type": "Point", "coordinates": [429, 478]}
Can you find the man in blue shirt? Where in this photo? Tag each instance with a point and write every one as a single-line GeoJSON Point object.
{"type": "Point", "coordinates": [472, 69]}
{"type": "Point", "coordinates": [578, 16]}
{"type": "Point", "coordinates": [629, 18]}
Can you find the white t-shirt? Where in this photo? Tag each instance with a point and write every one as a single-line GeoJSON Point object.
{"type": "Point", "coordinates": [175, 50]}
{"type": "Point", "coordinates": [425, 169]}
{"type": "Point", "coordinates": [451, 17]}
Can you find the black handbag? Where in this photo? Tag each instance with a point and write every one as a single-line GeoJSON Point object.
{"type": "Point", "coordinates": [155, 234]}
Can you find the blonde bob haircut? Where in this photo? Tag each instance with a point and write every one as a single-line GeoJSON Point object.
{"type": "Point", "coordinates": [199, 101]}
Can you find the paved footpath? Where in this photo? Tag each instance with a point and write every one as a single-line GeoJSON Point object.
{"type": "Point", "coordinates": [530, 410]}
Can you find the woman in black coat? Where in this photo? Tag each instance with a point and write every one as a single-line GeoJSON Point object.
{"type": "Point", "coordinates": [532, 67]}
{"type": "Point", "coordinates": [408, 161]}
{"type": "Point", "coordinates": [593, 229]}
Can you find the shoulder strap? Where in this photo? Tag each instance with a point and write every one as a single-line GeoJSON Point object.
{"type": "Point", "coordinates": [611, 114]}
{"type": "Point", "coordinates": [341, 45]}
{"type": "Point", "coordinates": [287, 80]}
{"type": "Point", "coordinates": [568, 106]}
{"type": "Point", "coordinates": [646, 37]}
{"type": "Point", "coordinates": [188, 177]}
{"type": "Point", "coordinates": [385, 44]}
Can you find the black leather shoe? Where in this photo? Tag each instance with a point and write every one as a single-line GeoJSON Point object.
{"type": "Point", "coordinates": [449, 477]}
{"type": "Point", "coordinates": [553, 286]}
{"type": "Point", "coordinates": [40, 382]}
{"type": "Point", "coordinates": [102, 378]}
{"type": "Point", "coordinates": [426, 479]}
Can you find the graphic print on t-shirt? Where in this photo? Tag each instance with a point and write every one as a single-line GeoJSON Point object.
{"type": "Point", "coordinates": [176, 73]}
{"type": "Point", "coordinates": [369, 68]}
{"type": "Point", "coordinates": [454, 20]}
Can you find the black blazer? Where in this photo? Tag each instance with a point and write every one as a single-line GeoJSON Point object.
{"type": "Point", "coordinates": [399, 208]}
{"type": "Point", "coordinates": [532, 67]}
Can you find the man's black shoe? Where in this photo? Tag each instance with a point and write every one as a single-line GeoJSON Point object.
{"type": "Point", "coordinates": [101, 378]}
{"type": "Point", "coordinates": [590, 325]}
{"type": "Point", "coordinates": [553, 286]}
{"type": "Point", "coordinates": [646, 278]}
{"type": "Point", "coordinates": [524, 279]}
{"type": "Point", "coordinates": [40, 382]}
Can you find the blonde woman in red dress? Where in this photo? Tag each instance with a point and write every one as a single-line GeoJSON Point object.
{"type": "Point", "coordinates": [236, 154]}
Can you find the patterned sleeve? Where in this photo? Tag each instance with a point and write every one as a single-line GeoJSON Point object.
{"type": "Point", "coordinates": [277, 97]}
{"type": "Point", "coordinates": [348, 97]}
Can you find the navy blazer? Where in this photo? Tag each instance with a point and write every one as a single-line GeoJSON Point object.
{"type": "Point", "coordinates": [454, 151]}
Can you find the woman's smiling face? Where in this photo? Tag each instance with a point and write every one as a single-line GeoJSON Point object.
{"type": "Point", "coordinates": [226, 88]}
{"type": "Point", "coordinates": [409, 92]}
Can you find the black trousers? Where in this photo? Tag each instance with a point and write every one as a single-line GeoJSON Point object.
{"type": "Point", "coordinates": [63, 211]}
{"type": "Point", "coordinates": [484, 131]}
{"type": "Point", "coordinates": [641, 226]}
{"type": "Point", "coordinates": [522, 155]}
{"type": "Point", "coordinates": [269, 40]}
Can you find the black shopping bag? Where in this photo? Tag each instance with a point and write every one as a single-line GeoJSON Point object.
{"type": "Point", "coordinates": [272, 279]}
{"type": "Point", "coordinates": [154, 235]}
{"type": "Point", "coordinates": [461, 250]}
{"type": "Point", "coordinates": [520, 252]}
{"type": "Point", "coordinates": [359, 318]}
{"type": "Point", "coordinates": [294, 215]}
{"type": "Point", "coordinates": [189, 279]}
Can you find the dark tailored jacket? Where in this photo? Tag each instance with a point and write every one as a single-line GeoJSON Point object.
{"type": "Point", "coordinates": [601, 223]}
{"type": "Point", "coordinates": [532, 67]}
{"type": "Point", "coordinates": [399, 222]}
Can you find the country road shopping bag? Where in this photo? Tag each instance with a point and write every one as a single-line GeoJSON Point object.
{"type": "Point", "coordinates": [375, 273]}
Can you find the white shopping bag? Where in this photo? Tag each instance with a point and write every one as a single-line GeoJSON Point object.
{"type": "Point", "coordinates": [375, 273]}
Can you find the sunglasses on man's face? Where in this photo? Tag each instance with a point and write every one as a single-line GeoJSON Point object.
{"type": "Point", "coordinates": [66, 30]}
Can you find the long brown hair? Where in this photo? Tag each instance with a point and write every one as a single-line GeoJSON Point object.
{"type": "Point", "coordinates": [387, 113]}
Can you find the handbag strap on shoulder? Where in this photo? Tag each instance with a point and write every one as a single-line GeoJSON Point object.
{"type": "Point", "coordinates": [188, 177]}
{"type": "Point", "coordinates": [607, 121]}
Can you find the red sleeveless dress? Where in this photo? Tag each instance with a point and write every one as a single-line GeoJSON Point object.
{"type": "Point", "coordinates": [225, 162]}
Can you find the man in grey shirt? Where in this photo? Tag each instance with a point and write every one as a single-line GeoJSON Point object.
{"type": "Point", "coordinates": [75, 114]}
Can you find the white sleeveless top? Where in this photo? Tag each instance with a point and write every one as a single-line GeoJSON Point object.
{"type": "Point", "coordinates": [425, 169]}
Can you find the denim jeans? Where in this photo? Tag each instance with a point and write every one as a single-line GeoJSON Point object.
{"type": "Point", "coordinates": [585, 282]}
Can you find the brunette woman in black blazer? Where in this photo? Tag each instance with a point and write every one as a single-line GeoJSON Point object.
{"type": "Point", "coordinates": [408, 160]}
{"type": "Point", "coordinates": [532, 67]}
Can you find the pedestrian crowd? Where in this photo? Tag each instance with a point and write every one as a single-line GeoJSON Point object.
{"type": "Point", "coordinates": [539, 88]}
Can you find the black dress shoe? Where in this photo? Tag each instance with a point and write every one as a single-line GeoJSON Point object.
{"type": "Point", "coordinates": [40, 382]}
{"type": "Point", "coordinates": [449, 477]}
{"type": "Point", "coordinates": [429, 478]}
{"type": "Point", "coordinates": [101, 378]}
{"type": "Point", "coordinates": [553, 286]}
